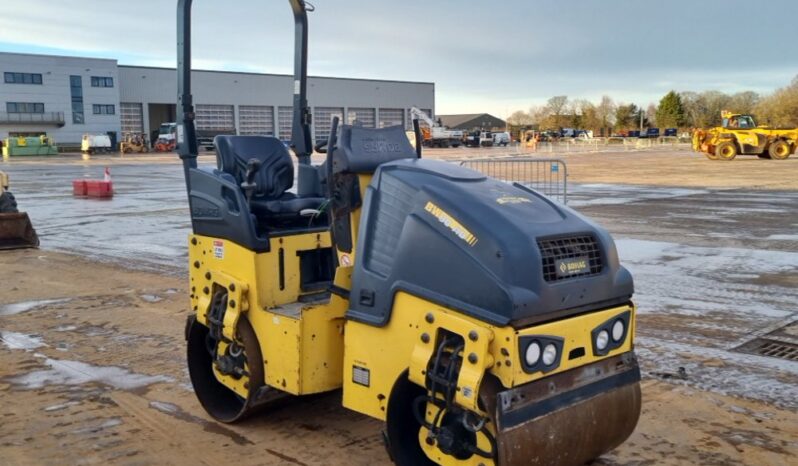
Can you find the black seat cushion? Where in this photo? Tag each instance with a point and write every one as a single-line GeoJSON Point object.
{"type": "Point", "coordinates": [276, 173]}
{"type": "Point", "coordinates": [286, 205]}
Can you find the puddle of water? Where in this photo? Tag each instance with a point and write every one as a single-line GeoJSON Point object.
{"type": "Point", "coordinates": [65, 328]}
{"type": "Point", "coordinates": [61, 406]}
{"type": "Point", "coordinates": [151, 298]}
{"type": "Point", "coordinates": [14, 340]}
{"type": "Point", "coordinates": [25, 306]}
{"type": "Point", "coordinates": [783, 237]}
{"type": "Point", "coordinates": [113, 422]}
{"type": "Point", "coordinates": [65, 372]}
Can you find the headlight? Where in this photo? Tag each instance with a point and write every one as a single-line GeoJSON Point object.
{"type": "Point", "coordinates": [532, 353]}
{"type": "Point", "coordinates": [549, 354]}
{"type": "Point", "coordinates": [617, 330]}
{"type": "Point", "coordinates": [540, 353]}
{"type": "Point", "coordinates": [611, 334]}
{"type": "Point", "coordinates": [602, 339]}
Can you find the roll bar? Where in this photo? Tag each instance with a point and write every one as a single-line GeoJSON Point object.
{"type": "Point", "coordinates": [186, 131]}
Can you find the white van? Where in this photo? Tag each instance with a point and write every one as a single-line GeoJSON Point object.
{"type": "Point", "coordinates": [501, 139]}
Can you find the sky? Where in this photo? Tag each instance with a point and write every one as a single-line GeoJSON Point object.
{"type": "Point", "coordinates": [483, 56]}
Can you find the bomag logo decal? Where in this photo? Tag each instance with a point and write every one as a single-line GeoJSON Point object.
{"type": "Point", "coordinates": [449, 222]}
{"type": "Point", "coordinates": [380, 146]}
{"type": "Point", "coordinates": [512, 200]}
{"type": "Point", "coordinates": [566, 267]}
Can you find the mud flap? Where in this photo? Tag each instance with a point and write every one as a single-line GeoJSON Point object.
{"type": "Point", "coordinates": [569, 418]}
{"type": "Point", "coordinates": [16, 231]}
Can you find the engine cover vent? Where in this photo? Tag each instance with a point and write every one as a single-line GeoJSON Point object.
{"type": "Point", "coordinates": [570, 257]}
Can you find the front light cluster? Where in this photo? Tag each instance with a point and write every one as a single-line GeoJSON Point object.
{"type": "Point", "coordinates": [541, 353]}
{"type": "Point", "coordinates": [611, 334]}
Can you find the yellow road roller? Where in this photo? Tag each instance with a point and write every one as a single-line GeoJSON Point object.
{"type": "Point", "coordinates": [482, 322]}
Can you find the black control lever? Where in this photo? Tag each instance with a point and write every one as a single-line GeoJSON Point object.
{"type": "Point", "coordinates": [248, 185]}
{"type": "Point", "coordinates": [321, 147]}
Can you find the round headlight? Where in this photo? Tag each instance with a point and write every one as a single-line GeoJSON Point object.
{"type": "Point", "coordinates": [602, 339]}
{"type": "Point", "coordinates": [617, 330]}
{"type": "Point", "coordinates": [549, 354]}
{"type": "Point", "coordinates": [532, 353]}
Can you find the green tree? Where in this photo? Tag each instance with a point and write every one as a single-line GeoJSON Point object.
{"type": "Point", "coordinates": [670, 113]}
{"type": "Point", "coordinates": [626, 116]}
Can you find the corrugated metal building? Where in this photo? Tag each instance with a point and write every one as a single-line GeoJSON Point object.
{"type": "Point", "coordinates": [473, 121]}
{"type": "Point", "coordinates": [116, 98]}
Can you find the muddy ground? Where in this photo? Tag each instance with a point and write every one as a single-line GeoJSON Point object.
{"type": "Point", "coordinates": [92, 364]}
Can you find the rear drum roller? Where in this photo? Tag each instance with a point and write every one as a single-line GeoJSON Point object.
{"type": "Point", "coordinates": [221, 402]}
{"type": "Point", "coordinates": [779, 150]}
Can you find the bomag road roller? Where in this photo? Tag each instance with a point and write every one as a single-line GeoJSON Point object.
{"type": "Point", "coordinates": [739, 135]}
{"type": "Point", "coordinates": [484, 323]}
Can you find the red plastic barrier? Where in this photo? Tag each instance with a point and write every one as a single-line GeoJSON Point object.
{"type": "Point", "coordinates": [79, 188]}
{"type": "Point", "coordinates": [104, 189]}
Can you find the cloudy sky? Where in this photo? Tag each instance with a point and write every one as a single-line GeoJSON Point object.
{"type": "Point", "coordinates": [483, 56]}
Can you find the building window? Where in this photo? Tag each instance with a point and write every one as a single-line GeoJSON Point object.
{"type": "Point", "coordinates": [24, 107]}
{"type": "Point", "coordinates": [99, 81]}
{"type": "Point", "coordinates": [22, 78]}
{"type": "Point", "coordinates": [101, 109]}
{"type": "Point", "coordinates": [76, 89]}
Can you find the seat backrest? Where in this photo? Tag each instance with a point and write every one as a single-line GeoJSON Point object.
{"type": "Point", "coordinates": [276, 173]}
{"type": "Point", "coordinates": [361, 150]}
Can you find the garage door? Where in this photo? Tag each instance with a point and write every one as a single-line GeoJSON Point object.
{"type": "Point", "coordinates": [364, 116]}
{"type": "Point", "coordinates": [215, 117]}
{"type": "Point", "coordinates": [391, 117]}
{"type": "Point", "coordinates": [323, 118]}
{"type": "Point", "coordinates": [284, 115]}
{"type": "Point", "coordinates": [132, 116]}
{"type": "Point", "coordinates": [256, 120]}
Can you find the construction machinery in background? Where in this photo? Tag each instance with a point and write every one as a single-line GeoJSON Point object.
{"type": "Point", "coordinates": [16, 230]}
{"type": "Point", "coordinates": [134, 142]}
{"type": "Point", "coordinates": [434, 134]}
{"type": "Point", "coordinates": [478, 139]}
{"type": "Point", "coordinates": [96, 143]}
{"type": "Point", "coordinates": [29, 145]}
{"type": "Point", "coordinates": [740, 135]}
{"type": "Point", "coordinates": [167, 136]}
{"type": "Point", "coordinates": [481, 321]}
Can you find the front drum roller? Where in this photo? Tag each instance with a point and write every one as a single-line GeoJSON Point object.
{"type": "Point", "coordinates": [221, 402]}
{"type": "Point", "coordinates": [567, 419]}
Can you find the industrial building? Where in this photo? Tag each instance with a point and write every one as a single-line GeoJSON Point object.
{"type": "Point", "coordinates": [473, 122]}
{"type": "Point", "coordinates": [67, 97]}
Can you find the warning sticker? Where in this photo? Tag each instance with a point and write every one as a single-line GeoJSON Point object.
{"type": "Point", "coordinates": [218, 249]}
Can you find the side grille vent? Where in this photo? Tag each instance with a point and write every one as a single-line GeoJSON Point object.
{"type": "Point", "coordinates": [570, 257]}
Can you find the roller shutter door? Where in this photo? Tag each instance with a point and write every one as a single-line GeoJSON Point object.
{"type": "Point", "coordinates": [214, 117]}
{"type": "Point", "coordinates": [132, 117]}
{"type": "Point", "coordinates": [364, 116]}
{"type": "Point", "coordinates": [284, 115]}
{"type": "Point", "coordinates": [323, 119]}
{"type": "Point", "coordinates": [391, 117]}
{"type": "Point", "coordinates": [256, 120]}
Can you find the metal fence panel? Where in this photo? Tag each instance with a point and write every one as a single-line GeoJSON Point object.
{"type": "Point", "coordinates": [547, 176]}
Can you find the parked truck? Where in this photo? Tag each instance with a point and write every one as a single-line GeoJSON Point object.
{"type": "Point", "coordinates": [435, 134]}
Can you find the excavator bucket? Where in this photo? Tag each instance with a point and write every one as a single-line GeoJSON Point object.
{"type": "Point", "coordinates": [16, 231]}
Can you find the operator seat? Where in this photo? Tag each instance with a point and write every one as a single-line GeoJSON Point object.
{"type": "Point", "coordinates": [273, 178]}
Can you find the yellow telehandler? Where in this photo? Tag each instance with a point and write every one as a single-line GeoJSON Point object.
{"type": "Point", "coordinates": [482, 322]}
{"type": "Point", "coordinates": [739, 135]}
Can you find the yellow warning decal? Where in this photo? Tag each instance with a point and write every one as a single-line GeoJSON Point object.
{"type": "Point", "coordinates": [449, 222]}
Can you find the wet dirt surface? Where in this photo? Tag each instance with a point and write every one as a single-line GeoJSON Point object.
{"type": "Point", "coordinates": [92, 364]}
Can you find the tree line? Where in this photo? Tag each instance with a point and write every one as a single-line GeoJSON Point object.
{"type": "Point", "coordinates": [675, 110]}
